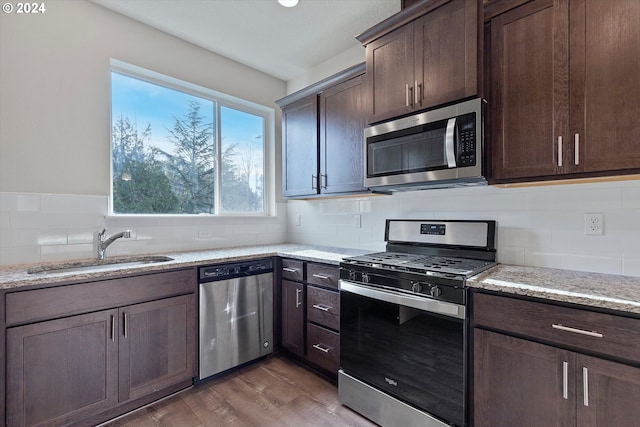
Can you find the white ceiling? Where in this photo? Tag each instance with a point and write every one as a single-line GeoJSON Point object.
{"type": "Point", "coordinates": [283, 42]}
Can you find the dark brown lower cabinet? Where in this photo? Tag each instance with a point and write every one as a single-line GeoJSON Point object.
{"type": "Point", "coordinates": [83, 353]}
{"type": "Point", "coordinates": [311, 314]}
{"type": "Point", "coordinates": [524, 383]}
{"type": "Point", "coordinates": [293, 325]}
{"type": "Point", "coordinates": [156, 345]}
{"type": "Point", "coordinates": [62, 370]}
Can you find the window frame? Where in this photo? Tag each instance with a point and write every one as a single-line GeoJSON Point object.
{"type": "Point", "coordinates": [221, 100]}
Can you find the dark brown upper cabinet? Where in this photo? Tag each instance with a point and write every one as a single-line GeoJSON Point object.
{"type": "Point", "coordinates": [323, 137]}
{"type": "Point", "coordinates": [424, 56]}
{"type": "Point", "coordinates": [564, 98]}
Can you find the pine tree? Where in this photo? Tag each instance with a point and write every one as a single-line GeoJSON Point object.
{"type": "Point", "coordinates": [191, 166]}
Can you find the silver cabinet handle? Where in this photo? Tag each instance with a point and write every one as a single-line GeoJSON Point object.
{"type": "Point", "coordinates": [448, 142]}
{"type": "Point", "coordinates": [290, 270]}
{"type": "Point", "coordinates": [320, 276]}
{"type": "Point", "coordinates": [577, 331]}
{"type": "Point", "coordinates": [585, 385]}
{"type": "Point", "coordinates": [406, 94]}
{"type": "Point", "coordinates": [314, 179]}
{"type": "Point", "coordinates": [323, 180]}
{"type": "Point", "coordinates": [320, 347]}
{"type": "Point", "coordinates": [560, 151]}
{"type": "Point", "coordinates": [415, 93]}
{"type": "Point", "coordinates": [565, 380]}
{"type": "Point", "coordinates": [321, 307]}
{"type": "Point", "coordinates": [576, 154]}
{"type": "Point", "coordinates": [113, 328]}
{"type": "Point", "coordinates": [298, 302]}
{"type": "Point", "coordinates": [124, 324]}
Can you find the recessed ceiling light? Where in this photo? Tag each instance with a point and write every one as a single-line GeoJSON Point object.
{"type": "Point", "coordinates": [288, 3]}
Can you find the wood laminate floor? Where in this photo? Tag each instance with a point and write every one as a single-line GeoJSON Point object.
{"type": "Point", "coordinates": [273, 392]}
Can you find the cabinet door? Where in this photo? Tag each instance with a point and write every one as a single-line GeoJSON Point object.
{"type": "Point", "coordinates": [61, 371]}
{"type": "Point", "coordinates": [157, 345]}
{"type": "Point", "coordinates": [446, 53]}
{"type": "Point", "coordinates": [605, 85]}
{"type": "Point", "coordinates": [293, 317]}
{"type": "Point", "coordinates": [608, 393]}
{"type": "Point", "coordinates": [390, 75]}
{"type": "Point", "coordinates": [342, 122]}
{"type": "Point", "coordinates": [529, 90]}
{"type": "Point", "coordinates": [521, 383]}
{"type": "Point", "coordinates": [300, 148]}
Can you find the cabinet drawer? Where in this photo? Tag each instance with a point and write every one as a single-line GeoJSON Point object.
{"type": "Point", "coordinates": [323, 347]}
{"type": "Point", "coordinates": [323, 307]}
{"type": "Point", "coordinates": [323, 275]}
{"type": "Point", "coordinates": [293, 270]}
{"type": "Point", "coordinates": [576, 328]}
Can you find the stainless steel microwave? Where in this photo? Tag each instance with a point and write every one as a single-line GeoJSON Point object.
{"type": "Point", "coordinates": [433, 149]}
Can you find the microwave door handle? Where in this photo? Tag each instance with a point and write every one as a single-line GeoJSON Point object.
{"type": "Point", "coordinates": [448, 141]}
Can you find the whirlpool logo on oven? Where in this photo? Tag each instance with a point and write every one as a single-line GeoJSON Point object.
{"type": "Point", "coordinates": [391, 382]}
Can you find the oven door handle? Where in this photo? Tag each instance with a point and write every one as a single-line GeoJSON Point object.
{"type": "Point", "coordinates": [421, 303]}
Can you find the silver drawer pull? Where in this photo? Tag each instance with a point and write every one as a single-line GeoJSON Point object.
{"type": "Point", "coordinates": [324, 349]}
{"type": "Point", "coordinates": [585, 386]}
{"type": "Point", "coordinates": [565, 380]}
{"type": "Point", "coordinates": [322, 307]}
{"type": "Point", "coordinates": [290, 270]}
{"type": "Point", "coordinates": [320, 276]}
{"type": "Point", "coordinates": [577, 331]}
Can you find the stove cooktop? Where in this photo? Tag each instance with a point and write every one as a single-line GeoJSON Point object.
{"type": "Point", "coordinates": [422, 264]}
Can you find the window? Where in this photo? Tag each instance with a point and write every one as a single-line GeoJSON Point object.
{"type": "Point", "coordinates": [177, 148]}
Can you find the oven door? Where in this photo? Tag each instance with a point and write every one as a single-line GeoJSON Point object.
{"type": "Point", "coordinates": [411, 348]}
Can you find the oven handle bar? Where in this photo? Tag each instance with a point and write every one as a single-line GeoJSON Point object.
{"type": "Point", "coordinates": [421, 303]}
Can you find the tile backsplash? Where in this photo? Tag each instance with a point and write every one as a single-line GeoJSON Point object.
{"type": "Point", "coordinates": [53, 227]}
{"type": "Point", "coordinates": [537, 226]}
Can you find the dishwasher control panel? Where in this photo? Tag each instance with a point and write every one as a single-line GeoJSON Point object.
{"type": "Point", "coordinates": [236, 269]}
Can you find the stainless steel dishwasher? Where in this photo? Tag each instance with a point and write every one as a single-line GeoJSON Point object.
{"type": "Point", "coordinates": [236, 314]}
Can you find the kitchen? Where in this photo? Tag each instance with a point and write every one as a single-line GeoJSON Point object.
{"type": "Point", "coordinates": [50, 74]}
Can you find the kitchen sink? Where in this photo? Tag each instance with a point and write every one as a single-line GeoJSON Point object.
{"type": "Point", "coordinates": [98, 265]}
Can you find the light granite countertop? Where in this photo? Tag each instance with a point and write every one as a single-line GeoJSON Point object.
{"type": "Point", "coordinates": [608, 291]}
{"type": "Point", "coordinates": [621, 293]}
{"type": "Point", "coordinates": [16, 276]}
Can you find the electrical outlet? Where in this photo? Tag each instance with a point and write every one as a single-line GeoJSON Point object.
{"type": "Point", "coordinates": [205, 234]}
{"type": "Point", "coordinates": [593, 224]}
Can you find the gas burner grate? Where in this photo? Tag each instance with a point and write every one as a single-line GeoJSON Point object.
{"type": "Point", "coordinates": [420, 263]}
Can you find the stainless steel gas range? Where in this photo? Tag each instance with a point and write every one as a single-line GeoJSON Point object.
{"type": "Point", "coordinates": [403, 322]}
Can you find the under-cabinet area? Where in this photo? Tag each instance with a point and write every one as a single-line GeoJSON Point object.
{"type": "Point", "coordinates": [544, 364]}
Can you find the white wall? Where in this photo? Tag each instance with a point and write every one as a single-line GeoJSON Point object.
{"type": "Point", "coordinates": [55, 131]}
{"type": "Point", "coordinates": [346, 59]}
{"type": "Point", "coordinates": [537, 226]}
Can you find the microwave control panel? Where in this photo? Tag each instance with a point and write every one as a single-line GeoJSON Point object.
{"type": "Point", "coordinates": [466, 135]}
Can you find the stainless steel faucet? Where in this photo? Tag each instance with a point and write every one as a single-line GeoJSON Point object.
{"type": "Point", "coordinates": [104, 243]}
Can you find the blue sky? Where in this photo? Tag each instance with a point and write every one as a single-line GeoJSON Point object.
{"type": "Point", "coordinates": [147, 103]}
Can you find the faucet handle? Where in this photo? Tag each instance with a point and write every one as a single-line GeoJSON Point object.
{"type": "Point", "coordinates": [101, 233]}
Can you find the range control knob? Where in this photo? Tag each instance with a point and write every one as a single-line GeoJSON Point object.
{"type": "Point", "coordinates": [435, 291]}
{"type": "Point", "coordinates": [352, 275]}
{"type": "Point", "coordinates": [365, 277]}
{"type": "Point", "coordinates": [417, 287]}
